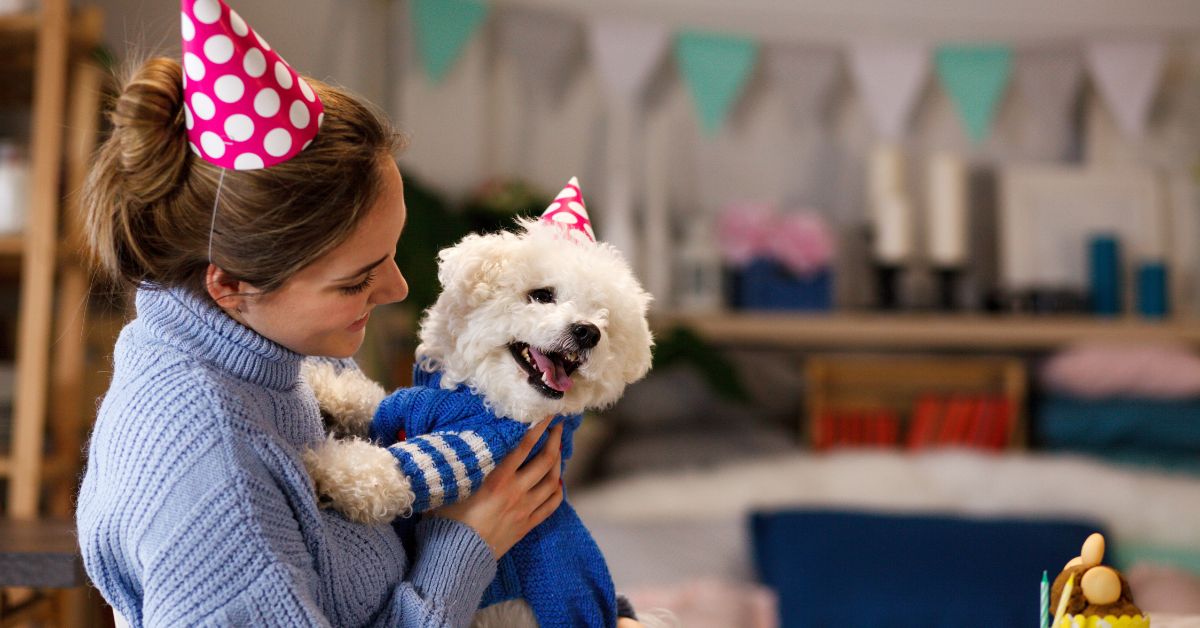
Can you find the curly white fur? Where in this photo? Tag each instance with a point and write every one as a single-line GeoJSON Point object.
{"type": "Point", "coordinates": [347, 398]}
{"type": "Point", "coordinates": [360, 478]}
{"type": "Point", "coordinates": [484, 307]}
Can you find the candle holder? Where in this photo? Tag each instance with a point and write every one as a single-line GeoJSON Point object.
{"type": "Point", "coordinates": [949, 288]}
{"type": "Point", "coordinates": [887, 285]}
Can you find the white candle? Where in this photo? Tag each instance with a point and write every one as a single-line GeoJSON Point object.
{"type": "Point", "coordinates": [885, 172]}
{"type": "Point", "coordinates": [947, 217]}
{"type": "Point", "coordinates": [893, 229]}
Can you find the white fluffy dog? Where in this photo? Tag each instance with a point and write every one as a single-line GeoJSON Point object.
{"type": "Point", "coordinates": [539, 322]}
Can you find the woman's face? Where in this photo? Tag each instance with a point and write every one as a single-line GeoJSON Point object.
{"type": "Point", "coordinates": [323, 309]}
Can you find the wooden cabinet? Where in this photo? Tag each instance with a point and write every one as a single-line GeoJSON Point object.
{"type": "Point", "coordinates": [47, 68]}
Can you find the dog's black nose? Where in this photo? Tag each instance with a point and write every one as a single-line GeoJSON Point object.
{"type": "Point", "coordinates": [586, 334]}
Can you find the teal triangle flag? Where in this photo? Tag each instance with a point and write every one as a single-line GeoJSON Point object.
{"type": "Point", "coordinates": [442, 28]}
{"type": "Point", "coordinates": [975, 77]}
{"type": "Point", "coordinates": [715, 68]}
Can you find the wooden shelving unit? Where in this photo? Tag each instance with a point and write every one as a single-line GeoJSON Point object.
{"type": "Point", "coordinates": [46, 65]}
{"type": "Point", "coordinates": [924, 332]}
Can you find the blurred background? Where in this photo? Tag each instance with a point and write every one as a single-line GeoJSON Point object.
{"type": "Point", "coordinates": [926, 278]}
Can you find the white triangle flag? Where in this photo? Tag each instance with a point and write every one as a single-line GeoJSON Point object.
{"type": "Point", "coordinates": [890, 77]}
{"type": "Point", "coordinates": [1048, 82]}
{"type": "Point", "coordinates": [806, 78]}
{"type": "Point", "coordinates": [1127, 74]}
{"type": "Point", "coordinates": [626, 53]}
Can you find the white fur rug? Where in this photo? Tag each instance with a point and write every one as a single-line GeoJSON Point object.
{"type": "Point", "coordinates": [1136, 506]}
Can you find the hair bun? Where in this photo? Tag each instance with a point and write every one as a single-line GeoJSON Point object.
{"type": "Point", "coordinates": [149, 130]}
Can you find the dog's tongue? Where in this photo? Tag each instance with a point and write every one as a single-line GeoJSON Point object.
{"type": "Point", "coordinates": [553, 374]}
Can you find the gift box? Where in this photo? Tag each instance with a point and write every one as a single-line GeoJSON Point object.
{"type": "Point", "coordinates": [765, 284]}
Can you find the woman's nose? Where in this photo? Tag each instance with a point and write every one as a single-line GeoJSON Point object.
{"type": "Point", "coordinates": [393, 288]}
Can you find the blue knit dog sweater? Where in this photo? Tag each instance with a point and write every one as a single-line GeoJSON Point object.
{"type": "Point", "coordinates": [446, 442]}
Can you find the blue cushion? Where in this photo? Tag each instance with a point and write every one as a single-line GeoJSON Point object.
{"type": "Point", "coordinates": [1138, 423]}
{"type": "Point", "coordinates": [852, 569]}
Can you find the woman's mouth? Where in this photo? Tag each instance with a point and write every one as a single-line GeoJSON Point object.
{"type": "Point", "coordinates": [360, 323]}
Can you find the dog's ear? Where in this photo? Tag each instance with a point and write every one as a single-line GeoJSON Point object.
{"type": "Point", "coordinates": [468, 270]}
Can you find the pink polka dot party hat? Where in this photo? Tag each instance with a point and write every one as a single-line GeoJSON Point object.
{"type": "Point", "coordinates": [568, 211]}
{"type": "Point", "coordinates": [245, 107]}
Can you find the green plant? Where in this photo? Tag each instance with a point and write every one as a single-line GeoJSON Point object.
{"type": "Point", "coordinates": [683, 346]}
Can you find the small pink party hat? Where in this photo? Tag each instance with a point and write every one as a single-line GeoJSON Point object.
{"type": "Point", "coordinates": [568, 211]}
{"type": "Point", "coordinates": [245, 107]}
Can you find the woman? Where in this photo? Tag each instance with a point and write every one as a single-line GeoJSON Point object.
{"type": "Point", "coordinates": [195, 507]}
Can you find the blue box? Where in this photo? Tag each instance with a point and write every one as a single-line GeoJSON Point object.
{"type": "Point", "coordinates": [765, 284]}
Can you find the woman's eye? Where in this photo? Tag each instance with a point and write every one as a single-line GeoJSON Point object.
{"type": "Point", "coordinates": [359, 287]}
{"type": "Point", "coordinates": [541, 295]}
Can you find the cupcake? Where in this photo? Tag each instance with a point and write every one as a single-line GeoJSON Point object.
{"type": "Point", "coordinates": [1100, 597]}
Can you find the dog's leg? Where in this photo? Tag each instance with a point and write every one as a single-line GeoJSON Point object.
{"type": "Point", "coordinates": [347, 399]}
{"type": "Point", "coordinates": [359, 480]}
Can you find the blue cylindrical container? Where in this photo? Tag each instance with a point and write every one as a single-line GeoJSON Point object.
{"type": "Point", "coordinates": [1152, 290]}
{"type": "Point", "coordinates": [1104, 264]}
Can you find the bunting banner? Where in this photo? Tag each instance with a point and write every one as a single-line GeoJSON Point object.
{"type": "Point", "coordinates": [442, 28]}
{"type": "Point", "coordinates": [546, 47]}
{"type": "Point", "coordinates": [1048, 82]}
{"type": "Point", "coordinates": [626, 54]}
{"type": "Point", "coordinates": [806, 77]}
{"type": "Point", "coordinates": [1127, 74]}
{"type": "Point", "coordinates": [715, 68]}
{"type": "Point", "coordinates": [975, 77]}
{"type": "Point", "coordinates": [890, 79]}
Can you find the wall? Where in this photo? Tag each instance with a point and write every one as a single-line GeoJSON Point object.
{"type": "Point", "coordinates": [479, 123]}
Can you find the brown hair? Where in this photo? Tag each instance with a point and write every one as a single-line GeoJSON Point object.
{"type": "Point", "coordinates": [149, 200]}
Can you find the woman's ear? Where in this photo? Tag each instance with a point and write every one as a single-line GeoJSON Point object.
{"type": "Point", "coordinates": [228, 292]}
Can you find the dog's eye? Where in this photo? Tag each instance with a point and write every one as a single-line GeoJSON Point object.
{"type": "Point", "coordinates": [541, 295]}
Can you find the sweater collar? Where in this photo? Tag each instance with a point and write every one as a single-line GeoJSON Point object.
{"type": "Point", "coordinates": [198, 327]}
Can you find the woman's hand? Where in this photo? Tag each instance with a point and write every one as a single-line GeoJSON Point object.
{"type": "Point", "coordinates": [514, 498]}
{"type": "Point", "coordinates": [625, 622]}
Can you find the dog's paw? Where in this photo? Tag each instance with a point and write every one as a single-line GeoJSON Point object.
{"type": "Point", "coordinates": [359, 480]}
{"type": "Point", "coordinates": [347, 399]}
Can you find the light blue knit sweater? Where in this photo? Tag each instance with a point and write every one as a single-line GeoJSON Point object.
{"type": "Point", "coordinates": [196, 509]}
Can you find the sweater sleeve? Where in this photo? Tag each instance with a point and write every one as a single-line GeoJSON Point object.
{"type": "Point", "coordinates": [233, 553]}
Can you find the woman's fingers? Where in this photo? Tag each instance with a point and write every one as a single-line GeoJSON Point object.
{"type": "Point", "coordinates": [547, 507]}
{"type": "Point", "coordinates": [546, 487]}
{"type": "Point", "coordinates": [518, 455]}
{"type": "Point", "coordinates": [550, 457]}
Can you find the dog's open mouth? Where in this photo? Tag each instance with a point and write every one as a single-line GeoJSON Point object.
{"type": "Point", "coordinates": [549, 371]}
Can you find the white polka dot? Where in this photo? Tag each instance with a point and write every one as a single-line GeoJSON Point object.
{"type": "Point", "coordinates": [282, 75]}
{"type": "Point", "coordinates": [203, 106]}
{"type": "Point", "coordinates": [194, 66]}
{"type": "Point", "coordinates": [266, 103]}
{"type": "Point", "coordinates": [299, 115]}
{"type": "Point", "coordinates": [320, 119]}
{"type": "Point", "coordinates": [187, 116]}
{"type": "Point", "coordinates": [553, 207]}
{"type": "Point", "coordinates": [262, 42]}
{"type": "Point", "coordinates": [308, 92]}
{"type": "Point", "coordinates": [254, 63]}
{"type": "Point", "coordinates": [305, 145]}
{"type": "Point", "coordinates": [239, 127]}
{"type": "Point", "coordinates": [239, 25]}
{"type": "Point", "coordinates": [207, 11]}
{"type": "Point", "coordinates": [229, 88]}
{"type": "Point", "coordinates": [194, 149]}
{"type": "Point", "coordinates": [247, 161]}
{"type": "Point", "coordinates": [212, 143]}
{"type": "Point", "coordinates": [565, 217]}
{"type": "Point", "coordinates": [278, 142]}
{"type": "Point", "coordinates": [576, 207]}
{"type": "Point", "coordinates": [188, 28]}
{"type": "Point", "coordinates": [591, 234]}
{"type": "Point", "coordinates": [218, 48]}
{"type": "Point", "coordinates": [566, 193]}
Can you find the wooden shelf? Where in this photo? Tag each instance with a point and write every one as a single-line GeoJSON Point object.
{"type": "Point", "coordinates": [903, 331]}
